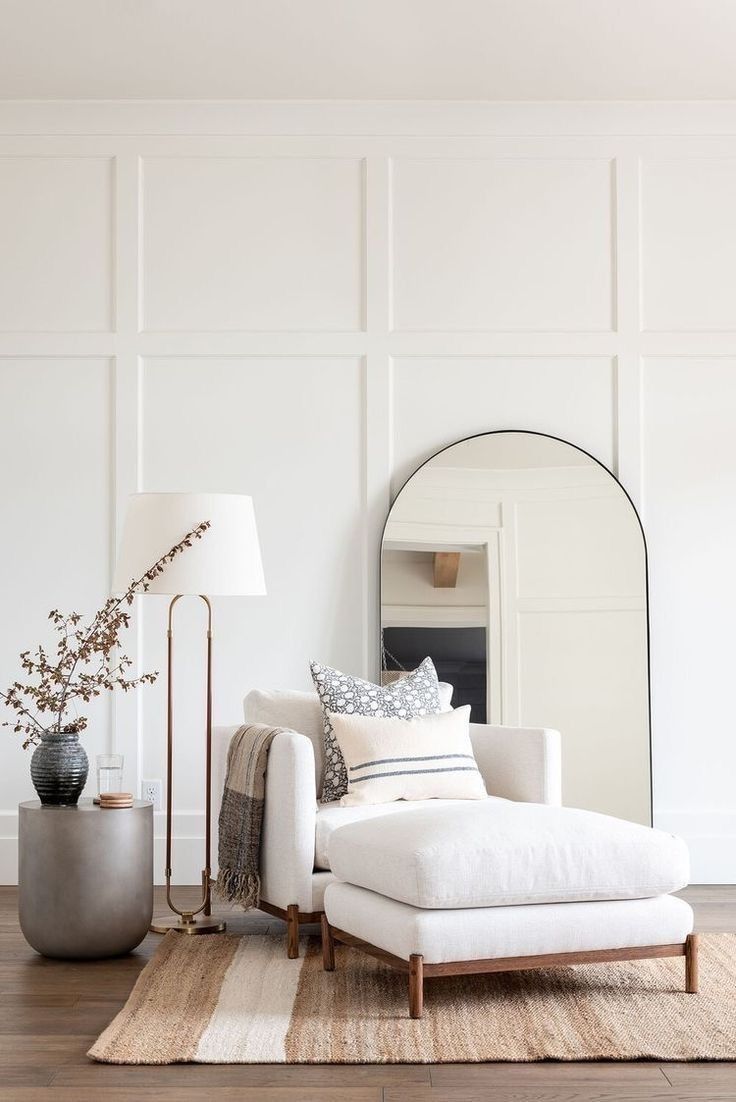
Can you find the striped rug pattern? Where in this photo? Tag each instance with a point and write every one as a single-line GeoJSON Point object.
{"type": "Point", "coordinates": [240, 1000]}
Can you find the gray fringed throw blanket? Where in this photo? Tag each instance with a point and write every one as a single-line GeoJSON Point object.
{"type": "Point", "coordinates": [241, 814]}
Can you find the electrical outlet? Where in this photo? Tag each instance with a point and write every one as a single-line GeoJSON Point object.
{"type": "Point", "coordinates": [152, 791]}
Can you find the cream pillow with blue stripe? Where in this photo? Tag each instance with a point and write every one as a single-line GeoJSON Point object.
{"type": "Point", "coordinates": [429, 757]}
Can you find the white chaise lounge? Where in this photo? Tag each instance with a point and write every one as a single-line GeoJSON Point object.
{"type": "Point", "coordinates": [515, 881]}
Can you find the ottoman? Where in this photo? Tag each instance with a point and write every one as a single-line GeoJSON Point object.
{"type": "Point", "coordinates": [495, 885]}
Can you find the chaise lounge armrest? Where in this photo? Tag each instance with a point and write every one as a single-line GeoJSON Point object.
{"type": "Point", "coordinates": [519, 763]}
{"type": "Point", "coordinates": [289, 817]}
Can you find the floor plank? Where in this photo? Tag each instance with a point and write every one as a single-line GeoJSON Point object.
{"type": "Point", "coordinates": [550, 1073]}
{"type": "Point", "coordinates": [196, 1094]}
{"type": "Point", "coordinates": [51, 1012]}
{"type": "Point", "coordinates": [702, 1076]}
{"type": "Point", "coordinates": [38, 998]}
{"type": "Point", "coordinates": [80, 1018]}
{"type": "Point", "coordinates": [25, 1075]}
{"type": "Point", "coordinates": [49, 1050]}
{"type": "Point", "coordinates": [610, 1093]}
{"type": "Point", "coordinates": [251, 1075]}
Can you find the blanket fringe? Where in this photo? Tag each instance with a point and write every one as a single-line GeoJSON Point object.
{"type": "Point", "coordinates": [238, 887]}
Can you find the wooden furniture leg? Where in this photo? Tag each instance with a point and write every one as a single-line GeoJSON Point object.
{"type": "Point", "coordinates": [416, 985]}
{"type": "Point", "coordinates": [691, 964]}
{"type": "Point", "coordinates": [292, 931]}
{"type": "Point", "coordinates": [292, 916]}
{"type": "Point", "coordinates": [328, 946]}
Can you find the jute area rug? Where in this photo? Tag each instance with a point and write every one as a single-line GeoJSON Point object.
{"type": "Point", "coordinates": [236, 1000]}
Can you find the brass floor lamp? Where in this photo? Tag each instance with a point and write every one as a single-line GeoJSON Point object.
{"type": "Point", "coordinates": [226, 561]}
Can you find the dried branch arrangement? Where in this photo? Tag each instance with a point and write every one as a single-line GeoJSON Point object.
{"type": "Point", "coordinates": [87, 660]}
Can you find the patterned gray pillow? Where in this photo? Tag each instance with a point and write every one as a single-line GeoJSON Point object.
{"type": "Point", "coordinates": [415, 695]}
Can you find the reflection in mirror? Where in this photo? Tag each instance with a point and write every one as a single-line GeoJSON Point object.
{"type": "Point", "coordinates": [517, 562]}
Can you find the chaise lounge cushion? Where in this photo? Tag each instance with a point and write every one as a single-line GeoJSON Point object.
{"type": "Point", "coordinates": [332, 816]}
{"type": "Point", "coordinates": [481, 933]}
{"type": "Point", "coordinates": [496, 852]}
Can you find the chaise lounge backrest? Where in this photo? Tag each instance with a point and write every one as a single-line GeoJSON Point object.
{"type": "Point", "coordinates": [299, 711]}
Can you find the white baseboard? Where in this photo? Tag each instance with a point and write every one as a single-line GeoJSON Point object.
{"type": "Point", "coordinates": [711, 839]}
{"type": "Point", "coordinates": [187, 848]}
{"type": "Point", "coordinates": [8, 860]}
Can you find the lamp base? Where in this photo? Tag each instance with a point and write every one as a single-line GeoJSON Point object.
{"type": "Point", "coordinates": [195, 926]}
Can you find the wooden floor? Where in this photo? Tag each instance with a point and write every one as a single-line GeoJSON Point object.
{"type": "Point", "coordinates": [50, 1011]}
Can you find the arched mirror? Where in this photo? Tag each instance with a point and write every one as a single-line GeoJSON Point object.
{"type": "Point", "coordinates": [518, 563]}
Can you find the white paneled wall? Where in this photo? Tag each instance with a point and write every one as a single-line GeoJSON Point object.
{"type": "Point", "coordinates": [688, 276]}
{"type": "Point", "coordinates": [280, 248]}
{"type": "Point", "coordinates": [477, 244]}
{"type": "Point", "coordinates": [303, 302]}
{"type": "Point", "coordinates": [56, 229]}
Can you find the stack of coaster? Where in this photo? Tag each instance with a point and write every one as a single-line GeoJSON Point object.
{"type": "Point", "coordinates": [116, 799]}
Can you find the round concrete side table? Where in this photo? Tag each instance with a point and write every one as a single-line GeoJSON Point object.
{"type": "Point", "coordinates": [85, 878]}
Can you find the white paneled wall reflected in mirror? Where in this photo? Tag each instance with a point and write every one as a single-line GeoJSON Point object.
{"type": "Point", "coordinates": [518, 563]}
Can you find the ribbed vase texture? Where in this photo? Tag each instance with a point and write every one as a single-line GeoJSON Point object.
{"type": "Point", "coordinates": [59, 768]}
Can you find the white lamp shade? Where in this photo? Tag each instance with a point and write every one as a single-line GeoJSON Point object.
{"type": "Point", "coordinates": [226, 561]}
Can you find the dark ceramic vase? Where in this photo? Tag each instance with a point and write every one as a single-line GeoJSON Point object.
{"type": "Point", "coordinates": [59, 768]}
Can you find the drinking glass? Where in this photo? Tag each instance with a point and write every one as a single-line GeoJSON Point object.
{"type": "Point", "coordinates": [109, 773]}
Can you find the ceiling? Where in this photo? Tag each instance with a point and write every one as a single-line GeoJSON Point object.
{"type": "Point", "coordinates": [368, 49]}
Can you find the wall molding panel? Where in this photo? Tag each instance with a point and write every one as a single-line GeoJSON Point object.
{"type": "Point", "coordinates": [304, 301]}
